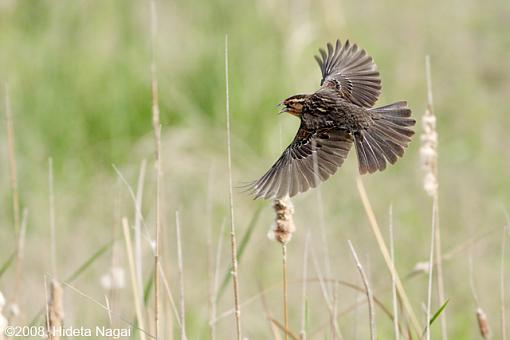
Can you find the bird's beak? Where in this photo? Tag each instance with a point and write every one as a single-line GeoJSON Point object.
{"type": "Point", "coordinates": [282, 107]}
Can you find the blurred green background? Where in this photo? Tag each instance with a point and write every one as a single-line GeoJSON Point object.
{"type": "Point", "coordinates": [78, 77]}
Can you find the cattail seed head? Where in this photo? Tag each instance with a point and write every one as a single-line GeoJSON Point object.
{"type": "Point", "coordinates": [428, 152]}
{"type": "Point", "coordinates": [483, 323]}
{"type": "Point", "coordinates": [284, 226]}
{"type": "Point", "coordinates": [55, 310]}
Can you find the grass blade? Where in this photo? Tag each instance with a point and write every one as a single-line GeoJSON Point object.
{"type": "Point", "coordinates": [7, 263]}
{"type": "Point", "coordinates": [89, 261]}
{"type": "Point", "coordinates": [436, 315]}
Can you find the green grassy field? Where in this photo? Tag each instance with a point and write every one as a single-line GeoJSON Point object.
{"type": "Point", "coordinates": [78, 75]}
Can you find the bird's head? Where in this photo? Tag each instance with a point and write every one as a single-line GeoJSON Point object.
{"type": "Point", "coordinates": [294, 105]}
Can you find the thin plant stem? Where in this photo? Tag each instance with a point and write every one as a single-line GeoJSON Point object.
{"type": "Point", "coordinates": [435, 203]}
{"type": "Point", "coordinates": [302, 333]}
{"type": "Point", "coordinates": [157, 136]}
{"type": "Point", "coordinates": [233, 241]}
{"type": "Point", "coordinates": [12, 160]}
{"type": "Point", "coordinates": [14, 186]}
{"type": "Point", "coordinates": [431, 269]}
{"type": "Point", "coordinates": [393, 285]}
{"type": "Point", "coordinates": [285, 291]}
{"type": "Point", "coordinates": [502, 286]}
{"type": "Point", "coordinates": [52, 218]}
{"type": "Point", "coordinates": [138, 223]}
{"type": "Point", "coordinates": [20, 250]}
{"type": "Point", "coordinates": [368, 290]}
{"type": "Point", "coordinates": [387, 259]}
{"type": "Point", "coordinates": [216, 281]}
{"type": "Point", "coordinates": [137, 291]}
{"type": "Point", "coordinates": [210, 255]}
{"type": "Point", "coordinates": [182, 311]}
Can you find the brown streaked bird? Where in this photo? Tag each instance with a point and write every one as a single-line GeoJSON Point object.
{"type": "Point", "coordinates": [340, 113]}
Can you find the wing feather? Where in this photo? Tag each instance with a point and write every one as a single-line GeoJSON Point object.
{"type": "Point", "coordinates": [295, 171]}
{"type": "Point", "coordinates": [351, 71]}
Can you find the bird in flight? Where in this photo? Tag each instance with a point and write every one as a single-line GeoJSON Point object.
{"type": "Point", "coordinates": [340, 113]}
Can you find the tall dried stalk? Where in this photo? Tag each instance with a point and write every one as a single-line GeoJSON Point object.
{"type": "Point", "coordinates": [138, 223]}
{"type": "Point", "coordinates": [429, 154]}
{"type": "Point", "coordinates": [368, 291]}
{"type": "Point", "coordinates": [14, 188]}
{"type": "Point", "coordinates": [233, 241]}
{"type": "Point", "coordinates": [137, 290]}
{"type": "Point", "coordinates": [216, 282]}
{"type": "Point", "coordinates": [430, 269]}
{"type": "Point", "coordinates": [502, 285]}
{"type": "Point", "coordinates": [302, 333]}
{"type": "Point", "coordinates": [393, 285]}
{"type": "Point", "coordinates": [12, 160]}
{"type": "Point", "coordinates": [182, 312]}
{"type": "Point", "coordinates": [156, 125]}
{"type": "Point", "coordinates": [51, 197]}
{"type": "Point", "coordinates": [387, 259]}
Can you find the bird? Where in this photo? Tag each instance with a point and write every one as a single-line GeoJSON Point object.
{"type": "Point", "coordinates": [333, 118]}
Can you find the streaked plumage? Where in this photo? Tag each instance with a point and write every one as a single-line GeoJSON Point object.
{"type": "Point", "coordinates": [333, 118]}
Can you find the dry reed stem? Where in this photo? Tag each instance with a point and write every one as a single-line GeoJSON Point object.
{"type": "Point", "coordinates": [210, 255]}
{"type": "Point", "coordinates": [55, 311]}
{"type": "Point", "coordinates": [216, 281]}
{"type": "Point", "coordinates": [137, 291]}
{"type": "Point", "coordinates": [51, 197]}
{"type": "Point", "coordinates": [368, 291]}
{"type": "Point", "coordinates": [285, 292]}
{"type": "Point", "coordinates": [502, 285]}
{"type": "Point", "coordinates": [233, 241]}
{"type": "Point", "coordinates": [284, 329]}
{"type": "Point", "coordinates": [430, 269]}
{"type": "Point", "coordinates": [12, 160]}
{"type": "Point", "coordinates": [384, 251]}
{"type": "Point", "coordinates": [302, 333]}
{"type": "Point", "coordinates": [156, 125]}
{"type": "Point", "coordinates": [169, 293]}
{"type": "Point", "coordinates": [13, 179]}
{"type": "Point", "coordinates": [138, 223]}
{"type": "Point", "coordinates": [429, 156]}
{"type": "Point", "coordinates": [20, 251]}
{"type": "Point", "coordinates": [393, 285]}
{"type": "Point", "coordinates": [180, 266]}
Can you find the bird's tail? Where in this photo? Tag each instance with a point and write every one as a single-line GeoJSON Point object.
{"type": "Point", "coordinates": [386, 138]}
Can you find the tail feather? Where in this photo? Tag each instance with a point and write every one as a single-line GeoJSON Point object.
{"type": "Point", "coordinates": [386, 139]}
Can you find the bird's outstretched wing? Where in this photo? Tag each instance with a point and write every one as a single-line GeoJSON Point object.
{"type": "Point", "coordinates": [312, 157]}
{"type": "Point", "coordinates": [351, 71]}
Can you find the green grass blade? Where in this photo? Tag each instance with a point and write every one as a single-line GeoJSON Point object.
{"type": "Point", "coordinates": [148, 288]}
{"type": "Point", "coordinates": [7, 263]}
{"type": "Point", "coordinates": [436, 315]}
{"type": "Point", "coordinates": [89, 262]}
{"type": "Point", "coordinates": [240, 250]}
